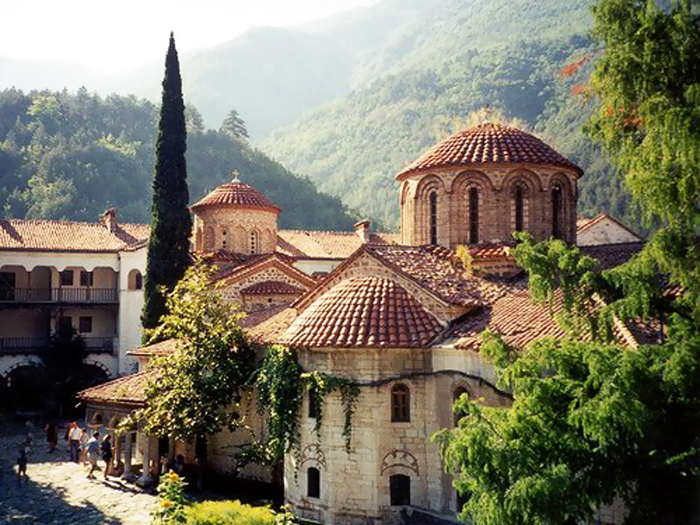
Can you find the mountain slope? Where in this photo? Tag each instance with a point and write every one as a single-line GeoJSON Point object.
{"type": "Point", "coordinates": [65, 156]}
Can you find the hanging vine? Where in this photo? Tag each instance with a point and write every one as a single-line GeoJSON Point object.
{"type": "Point", "coordinates": [281, 383]}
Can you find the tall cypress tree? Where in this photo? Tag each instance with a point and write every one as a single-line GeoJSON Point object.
{"type": "Point", "coordinates": [171, 224]}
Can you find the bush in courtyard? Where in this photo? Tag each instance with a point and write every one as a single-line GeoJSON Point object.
{"type": "Point", "coordinates": [171, 500]}
{"type": "Point", "coordinates": [234, 513]}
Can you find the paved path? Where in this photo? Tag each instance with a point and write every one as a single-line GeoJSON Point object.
{"type": "Point", "coordinates": [58, 492]}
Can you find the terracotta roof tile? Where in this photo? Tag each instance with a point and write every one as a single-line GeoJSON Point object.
{"type": "Point", "coordinates": [129, 390]}
{"type": "Point", "coordinates": [611, 255]}
{"type": "Point", "coordinates": [440, 271]}
{"type": "Point", "coordinates": [514, 316]}
{"type": "Point", "coordinates": [488, 144]}
{"type": "Point", "coordinates": [491, 251]}
{"type": "Point", "coordinates": [268, 326]}
{"type": "Point", "coordinates": [271, 288]}
{"type": "Point", "coordinates": [364, 312]}
{"type": "Point", "coordinates": [162, 348]}
{"type": "Point", "coordinates": [326, 244]}
{"type": "Point", "coordinates": [46, 235]}
{"type": "Point", "coordinates": [236, 194]}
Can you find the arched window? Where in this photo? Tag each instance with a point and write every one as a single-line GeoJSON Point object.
{"type": "Point", "coordinates": [313, 402]}
{"type": "Point", "coordinates": [135, 280]}
{"type": "Point", "coordinates": [254, 242]}
{"type": "Point", "coordinates": [313, 482]}
{"type": "Point", "coordinates": [473, 216]}
{"type": "Point", "coordinates": [432, 199]}
{"type": "Point", "coordinates": [455, 396]}
{"type": "Point", "coordinates": [400, 489]}
{"type": "Point", "coordinates": [519, 209]}
{"type": "Point", "coordinates": [557, 202]}
{"type": "Point", "coordinates": [400, 407]}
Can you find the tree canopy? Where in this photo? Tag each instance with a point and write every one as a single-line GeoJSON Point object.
{"type": "Point", "coordinates": [196, 389]}
{"type": "Point", "coordinates": [171, 223]}
{"type": "Point", "coordinates": [593, 419]}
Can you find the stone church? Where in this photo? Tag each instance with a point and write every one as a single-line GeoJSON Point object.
{"type": "Point", "coordinates": [399, 314]}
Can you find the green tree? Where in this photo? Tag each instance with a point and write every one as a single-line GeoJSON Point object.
{"type": "Point", "coordinates": [171, 224]}
{"type": "Point", "coordinates": [592, 419]}
{"type": "Point", "coordinates": [234, 125]}
{"type": "Point", "coordinates": [196, 390]}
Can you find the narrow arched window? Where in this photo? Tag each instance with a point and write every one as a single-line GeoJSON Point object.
{"type": "Point", "coordinates": [400, 404]}
{"type": "Point", "coordinates": [313, 482]}
{"type": "Point", "coordinates": [519, 209]}
{"type": "Point", "coordinates": [400, 489]}
{"type": "Point", "coordinates": [313, 402]}
{"type": "Point", "coordinates": [473, 216]}
{"type": "Point", "coordinates": [457, 394]}
{"type": "Point", "coordinates": [432, 198]}
{"type": "Point", "coordinates": [254, 243]}
{"type": "Point", "coordinates": [557, 211]}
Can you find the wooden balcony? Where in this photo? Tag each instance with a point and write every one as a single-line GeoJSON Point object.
{"type": "Point", "coordinates": [35, 345]}
{"type": "Point", "coordinates": [59, 295]}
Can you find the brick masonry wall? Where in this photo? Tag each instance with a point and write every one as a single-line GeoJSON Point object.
{"type": "Point", "coordinates": [230, 228]}
{"type": "Point", "coordinates": [232, 293]}
{"type": "Point", "coordinates": [496, 186]}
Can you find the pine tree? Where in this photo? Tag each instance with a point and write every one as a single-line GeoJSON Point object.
{"type": "Point", "coordinates": [171, 224]}
{"type": "Point", "coordinates": [234, 125]}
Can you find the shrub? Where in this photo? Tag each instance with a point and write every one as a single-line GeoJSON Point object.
{"type": "Point", "coordinates": [233, 513]}
{"type": "Point", "coordinates": [171, 500]}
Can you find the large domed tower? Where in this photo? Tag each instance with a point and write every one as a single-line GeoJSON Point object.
{"type": "Point", "coordinates": [483, 184]}
{"type": "Point", "coordinates": [237, 218]}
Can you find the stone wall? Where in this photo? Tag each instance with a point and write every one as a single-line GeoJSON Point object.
{"type": "Point", "coordinates": [231, 291]}
{"type": "Point", "coordinates": [355, 486]}
{"type": "Point", "coordinates": [495, 187]}
{"type": "Point", "coordinates": [606, 231]}
{"type": "Point", "coordinates": [234, 229]}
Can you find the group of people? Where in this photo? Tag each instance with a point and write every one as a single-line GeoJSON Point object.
{"type": "Point", "coordinates": [84, 447]}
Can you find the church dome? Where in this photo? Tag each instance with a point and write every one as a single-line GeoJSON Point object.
{"type": "Point", "coordinates": [236, 194]}
{"type": "Point", "coordinates": [488, 144]}
{"type": "Point", "coordinates": [364, 312]}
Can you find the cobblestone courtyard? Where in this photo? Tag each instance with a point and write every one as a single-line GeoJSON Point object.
{"type": "Point", "coordinates": [58, 492]}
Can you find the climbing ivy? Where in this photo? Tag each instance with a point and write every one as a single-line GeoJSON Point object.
{"type": "Point", "coordinates": [281, 383]}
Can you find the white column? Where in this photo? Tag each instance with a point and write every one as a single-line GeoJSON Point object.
{"type": "Point", "coordinates": [128, 474]}
{"type": "Point", "coordinates": [145, 478]}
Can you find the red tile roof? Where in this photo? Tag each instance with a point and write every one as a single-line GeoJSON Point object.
{"type": "Point", "coordinates": [489, 144]}
{"type": "Point", "coordinates": [47, 235]}
{"type": "Point", "coordinates": [440, 271]}
{"type": "Point", "coordinates": [232, 271]}
{"type": "Point", "coordinates": [271, 288]}
{"type": "Point", "coordinates": [162, 348]}
{"type": "Point", "coordinates": [611, 255]}
{"type": "Point", "coordinates": [308, 244]}
{"type": "Point", "coordinates": [129, 390]}
{"type": "Point", "coordinates": [269, 326]}
{"type": "Point", "coordinates": [364, 312]}
{"type": "Point", "coordinates": [515, 317]}
{"type": "Point", "coordinates": [236, 194]}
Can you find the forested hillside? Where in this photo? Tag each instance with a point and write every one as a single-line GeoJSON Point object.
{"type": "Point", "coordinates": [441, 61]}
{"type": "Point", "coordinates": [70, 156]}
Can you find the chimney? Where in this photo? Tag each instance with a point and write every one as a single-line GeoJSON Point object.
{"type": "Point", "coordinates": [362, 230]}
{"type": "Point", "coordinates": [109, 219]}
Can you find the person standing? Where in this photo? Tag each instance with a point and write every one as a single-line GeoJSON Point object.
{"type": "Point", "coordinates": [84, 437]}
{"type": "Point", "coordinates": [93, 449]}
{"type": "Point", "coordinates": [74, 442]}
{"type": "Point", "coordinates": [21, 465]}
{"type": "Point", "coordinates": [51, 435]}
{"type": "Point", "coordinates": [107, 453]}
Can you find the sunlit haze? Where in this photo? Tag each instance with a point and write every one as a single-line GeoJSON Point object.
{"type": "Point", "coordinates": [112, 36]}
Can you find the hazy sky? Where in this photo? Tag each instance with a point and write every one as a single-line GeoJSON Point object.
{"type": "Point", "coordinates": [113, 35]}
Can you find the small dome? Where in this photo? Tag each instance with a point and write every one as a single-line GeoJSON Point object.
{"type": "Point", "coordinates": [364, 312]}
{"type": "Point", "coordinates": [236, 194]}
{"type": "Point", "coordinates": [489, 143]}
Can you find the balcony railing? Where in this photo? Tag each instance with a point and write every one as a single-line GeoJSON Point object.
{"type": "Point", "coordinates": [34, 345]}
{"type": "Point", "coordinates": [59, 295]}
